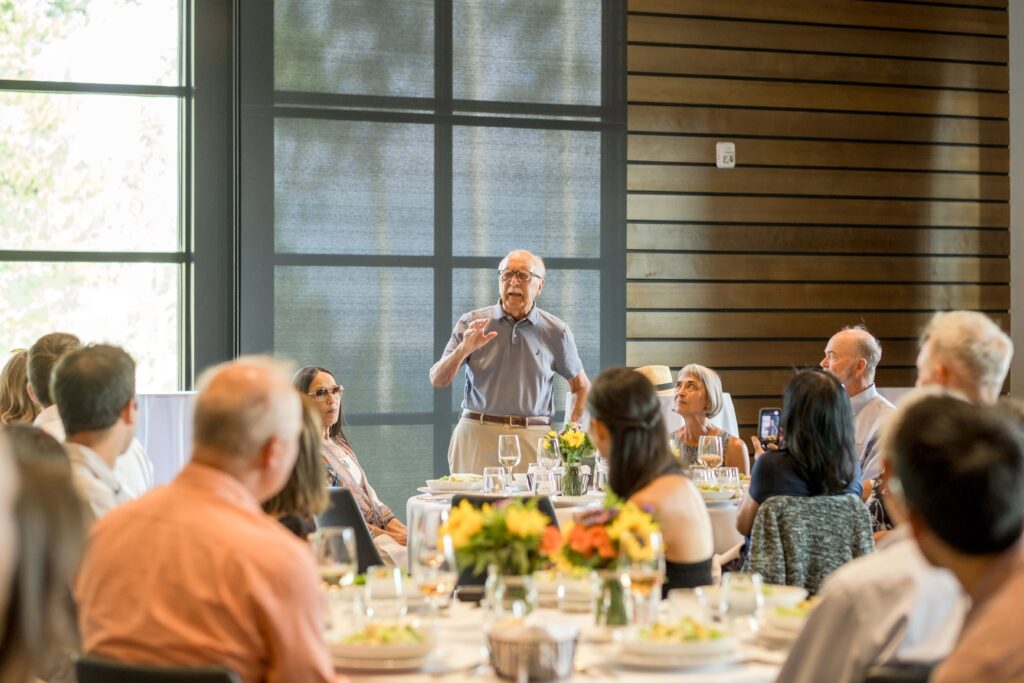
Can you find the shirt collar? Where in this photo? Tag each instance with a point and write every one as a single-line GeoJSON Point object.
{"type": "Point", "coordinates": [499, 314]}
{"type": "Point", "coordinates": [91, 460]}
{"type": "Point", "coordinates": [863, 398]}
{"type": "Point", "coordinates": [218, 483]}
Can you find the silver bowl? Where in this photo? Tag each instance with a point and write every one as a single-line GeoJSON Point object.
{"type": "Point", "coordinates": [542, 659]}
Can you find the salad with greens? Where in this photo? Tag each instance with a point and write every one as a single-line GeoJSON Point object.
{"type": "Point", "coordinates": [688, 630]}
{"type": "Point", "coordinates": [386, 634]}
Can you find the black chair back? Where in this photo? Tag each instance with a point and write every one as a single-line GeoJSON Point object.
{"type": "Point", "coordinates": [468, 577]}
{"type": "Point", "coordinates": [345, 511]}
{"type": "Point", "coordinates": [98, 670]}
{"type": "Point", "coordinates": [899, 672]}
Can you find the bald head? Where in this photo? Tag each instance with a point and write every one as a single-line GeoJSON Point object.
{"type": "Point", "coordinates": [853, 355]}
{"type": "Point", "coordinates": [242, 405]}
{"type": "Point", "coordinates": [520, 256]}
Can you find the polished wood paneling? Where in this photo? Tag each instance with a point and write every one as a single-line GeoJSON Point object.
{"type": "Point", "coordinates": [809, 38]}
{"type": "Point", "coordinates": [871, 186]}
{"type": "Point", "coordinates": [816, 96]}
{"type": "Point", "coordinates": [813, 239]}
{"type": "Point", "coordinates": [832, 154]}
{"type": "Point", "coordinates": [703, 120]}
{"type": "Point", "coordinates": [790, 296]}
{"type": "Point", "coordinates": [688, 61]}
{"type": "Point", "coordinates": [817, 182]}
{"type": "Point", "coordinates": [704, 208]}
{"type": "Point", "coordinates": [893, 15]}
{"type": "Point", "coordinates": [802, 268]}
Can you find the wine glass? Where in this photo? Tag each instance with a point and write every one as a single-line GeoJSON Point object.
{"type": "Point", "coordinates": [642, 570]}
{"type": "Point", "coordinates": [385, 593]}
{"type": "Point", "coordinates": [549, 455]}
{"type": "Point", "coordinates": [432, 559]}
{"type": "Point", "coordinates": [710, 452]}
{"type": "Point", "coordinates": [334, 550]}
{"type": "Point", "coordinates": [741, 599]}
{"type": "Point", "coordinates": [729, 478]}
{"type": "Point", "coordinates": [508, 455]}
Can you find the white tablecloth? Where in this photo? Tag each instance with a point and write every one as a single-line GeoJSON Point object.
{"type": "Point", "coordinates": [723, 526]}
{"type": "Point", "coordinates": [460, 634]}
{"type": "Point", "coordinates": [165, 431]}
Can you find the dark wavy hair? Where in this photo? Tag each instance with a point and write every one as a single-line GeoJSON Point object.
{"type": "Point", "coordinates": [301, 381]}
{"type": "Point", "coordinates": [817, 420]}
{"type": "Point", "coordinates": [625, 401]}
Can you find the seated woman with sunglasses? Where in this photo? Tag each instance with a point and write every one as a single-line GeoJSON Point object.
{"type": "Point", "coordinates": [341, 466]}
{"type": "Point", "coordinates": [627, 427]}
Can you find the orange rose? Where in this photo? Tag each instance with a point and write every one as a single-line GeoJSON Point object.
{"type": "Point", "coordinates": [551, 540]}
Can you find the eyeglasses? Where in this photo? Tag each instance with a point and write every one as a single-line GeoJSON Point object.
{"type": "Point", "coordinates": [523, 276]}
{"type": "Point", "coordinates": [321, 393]}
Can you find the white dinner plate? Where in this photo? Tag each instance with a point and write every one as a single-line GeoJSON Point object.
{"type": "Point", "coordinates": [648, 663]}
{"type": "Point", "coordinates": [396, 652]}
{"type": "Point", "coordinates": [438, 486]}
{"type": "Point", "coordinates": [775, 595]}
{"type": "Point", "coordinates": [357, 664]}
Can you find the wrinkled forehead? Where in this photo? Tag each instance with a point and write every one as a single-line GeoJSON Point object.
{"type": "Point", "coordinates": [520, 261]}
{"type": "Point", "coordinates": [841, 344]}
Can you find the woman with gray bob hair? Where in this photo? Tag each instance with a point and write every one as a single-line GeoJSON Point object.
{"type": "Point", "coordinates": [698, 398]}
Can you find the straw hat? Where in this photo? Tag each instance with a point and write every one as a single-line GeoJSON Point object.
{"type": "Point", "coordinates": [660, 376]}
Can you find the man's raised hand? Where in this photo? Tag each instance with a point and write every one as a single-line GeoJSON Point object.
{"type": "Point", "coordinates": [475, 336]}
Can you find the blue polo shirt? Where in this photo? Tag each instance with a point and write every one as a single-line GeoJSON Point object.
{"type": "Point", "coordinates": [513, 373]}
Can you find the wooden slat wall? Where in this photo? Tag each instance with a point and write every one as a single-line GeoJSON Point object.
{"type": "Point", "coordinates": [871, 185]}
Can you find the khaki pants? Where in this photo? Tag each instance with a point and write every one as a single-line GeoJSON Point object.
{"type": "Point", "coordinates": [474, 445]}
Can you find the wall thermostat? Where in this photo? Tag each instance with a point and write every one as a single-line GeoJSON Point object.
{"type": "Point", "coordinates": [725, 154]}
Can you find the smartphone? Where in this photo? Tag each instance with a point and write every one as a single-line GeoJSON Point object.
{"type": "Point", "coordinates": [768, 426]}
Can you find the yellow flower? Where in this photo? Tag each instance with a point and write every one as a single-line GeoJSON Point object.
{"type": "Point", "coordinates": [551, 435]}
{"type": "Point", "coordinates": [631, 519]}
{"type": "Point", "coordinates": [525, 522]}
{"type": "Point", "coordinates": [635, 550]}
{"type": "Point", "coordinates": [463, 522]}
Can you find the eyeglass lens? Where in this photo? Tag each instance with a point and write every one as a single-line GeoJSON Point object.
{"type": "Point", "coordinates": [321, 393]}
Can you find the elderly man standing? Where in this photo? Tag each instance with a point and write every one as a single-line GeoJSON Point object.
{"type": "Point", "coordinates": [892, 605]}
{"type": "Point", "coordinates": [852, 355]}
{"type": "Point", "coordinates": [194, 573]}
{"type": "Point", "coordinates": [512, 351]}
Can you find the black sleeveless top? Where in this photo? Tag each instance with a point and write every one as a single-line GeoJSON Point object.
{"type": "Point", "coordinates": [686, 575]}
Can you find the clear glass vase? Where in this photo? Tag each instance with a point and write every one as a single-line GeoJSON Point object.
{"type": "Point", "coordinates": [612, 607]}
{"type": "Point", "coordinates": [572, 480]}
{"type": "Point", "coordinates": [510, 593]}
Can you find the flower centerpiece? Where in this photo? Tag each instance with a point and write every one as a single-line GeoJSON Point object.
{"type": "Point", "coordinates": [596, 539]}
{"type": "Point", "coordinates": [510, 540]}
{"type": "Point", "coordinates": [574, 444]}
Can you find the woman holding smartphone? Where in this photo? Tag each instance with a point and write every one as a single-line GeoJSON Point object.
{"type": "Point", "coordinates": [698, 398]}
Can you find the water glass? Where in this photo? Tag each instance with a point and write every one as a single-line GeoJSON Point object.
{"type": "Point", "coordinates": [729, 478]}
{"type": "Point", "coordinates": [334, 550]}
{"type": "Point", "coordinates": [741, 600]}
{"type": "Point", "coordinates": [699, 475]}
{"type": "Point", "coordinates": [432, 559]}
{"type": "Point", "coordinates": [544, 483]}
{"type": "Point", "coordinates": [710, 451]}
{"type": "Point", "coordinates": [689, 602]}
{"type": "Point", "coordinates": [549, 454]}
{"type": "Point", "coordinates": [385, 593]}
{"type": "Point", "coordinates": [494, 480]}
{"type": "Point", "coordinates": [642, 573]}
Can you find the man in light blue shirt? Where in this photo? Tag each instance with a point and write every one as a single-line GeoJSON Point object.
{"type": "Point", "coordinates": [512, 351]}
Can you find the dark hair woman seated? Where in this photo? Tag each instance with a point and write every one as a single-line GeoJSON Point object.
{"type": "Point", "coordinates": [304, 494]}
{"type": "Point", "coordinates": [817, 455]}
{"type": "Point", "coordinates": [627, 427]}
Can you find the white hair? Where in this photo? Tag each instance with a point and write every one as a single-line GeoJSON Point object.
{"type": "Point", "coordinates": [538, 262]}
{"type": "Point", "coordinates": [973, 341]}
{"type": "Point", "coordinates": [868, 348]}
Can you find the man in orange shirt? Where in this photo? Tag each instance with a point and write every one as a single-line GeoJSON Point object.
{"type": "Point", "coordinates": [194, 573]}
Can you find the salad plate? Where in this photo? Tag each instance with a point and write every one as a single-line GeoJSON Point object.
{"type": "Point", "coordinates": [632, 660]}
{"type": "Point", "coordinates": [456, 482]}
{"type": "Point", "coordinates": [396, 643]}
{"type": "Point", "coordinates": [685, 638]}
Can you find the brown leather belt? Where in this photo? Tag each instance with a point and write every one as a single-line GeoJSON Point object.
{"type": "Point", "coordinates": [510, 420]}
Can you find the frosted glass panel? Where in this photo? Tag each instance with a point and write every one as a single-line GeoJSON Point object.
{"type": "Point", "coordinates": [133, 305]}
{"type": "Point", "coordinates": [543, 51]}
{"type": "Point", "coordinates": [88, 172]}
{"type": "Point", "coordinates": [526, 188]}
{"type": "Point", "coordinates": [373, 327]}
{"type": "Point", "coordinates": [572, 295]}
{"type": "Point", "coordinates": [353, 187]}
{"type": "Point", "coordinates": [396, 458]}
{"type": "Point", "coordinates": [355, 47]}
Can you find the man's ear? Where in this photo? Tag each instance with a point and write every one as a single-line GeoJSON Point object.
{"type": "Point", "coordinates": [271, 453]}
{"type": "Point", "coordinates": [862, 365]}
{"type": "Point", "coordinates": [130, 412]}
{"type": "Point", "coordinates": [32, 394]}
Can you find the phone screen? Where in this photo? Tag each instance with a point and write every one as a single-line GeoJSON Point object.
{"type": "Point", "coordinates": [768, 426]}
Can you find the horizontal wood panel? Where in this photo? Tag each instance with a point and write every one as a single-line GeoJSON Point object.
{"type": "Point", "coordinates": [758, 296]}
{"type": "Point", "coordinates": [811, 124]}
{"type": "Point", "coordinates": [815, 96]}
{"type": "Point", "coordinates": [659, 207]}
{"type": "Point", "coordinates": [814, 239]}
{"type": "Point", "coordinates": [759, 353]}
{"type": "Point", "coordinates": [764, 325]}
{"type": "Point", "coordinates": [758, 35]}
{"type": "Point", "coordinates": [844, 12]}
{"type": "Point", "coordinates": [775, 267]}
{"type": "Point", "coordinates": [746, 180]}
{"type": "Point", "coordinates": [815, 67]}
{"type": "Point", "coordinates": [905, 157]}
{"type": "Point", "coordinates": [747, 410]}
{"type": "Point", "coordinates": [741, 383]}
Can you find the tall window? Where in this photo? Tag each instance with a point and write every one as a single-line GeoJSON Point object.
{"type": "Point", "coordinates": [392, 151]}
{"type": "Point", "coordinates": [91, 121]}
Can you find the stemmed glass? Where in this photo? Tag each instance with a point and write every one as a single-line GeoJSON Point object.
{"type": "Point", "coordinates": [432, 559]}
{"type": "Point", "coordinates": [549, 454]}
{"type": "Point", "coordinates": [642, 571]}
{"type": "Point", "coordinates": [334, 550]}
{"type": "Point", "coordinates": [508, 456]}
{"type": "Point", "coordinates": [710, 452]}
